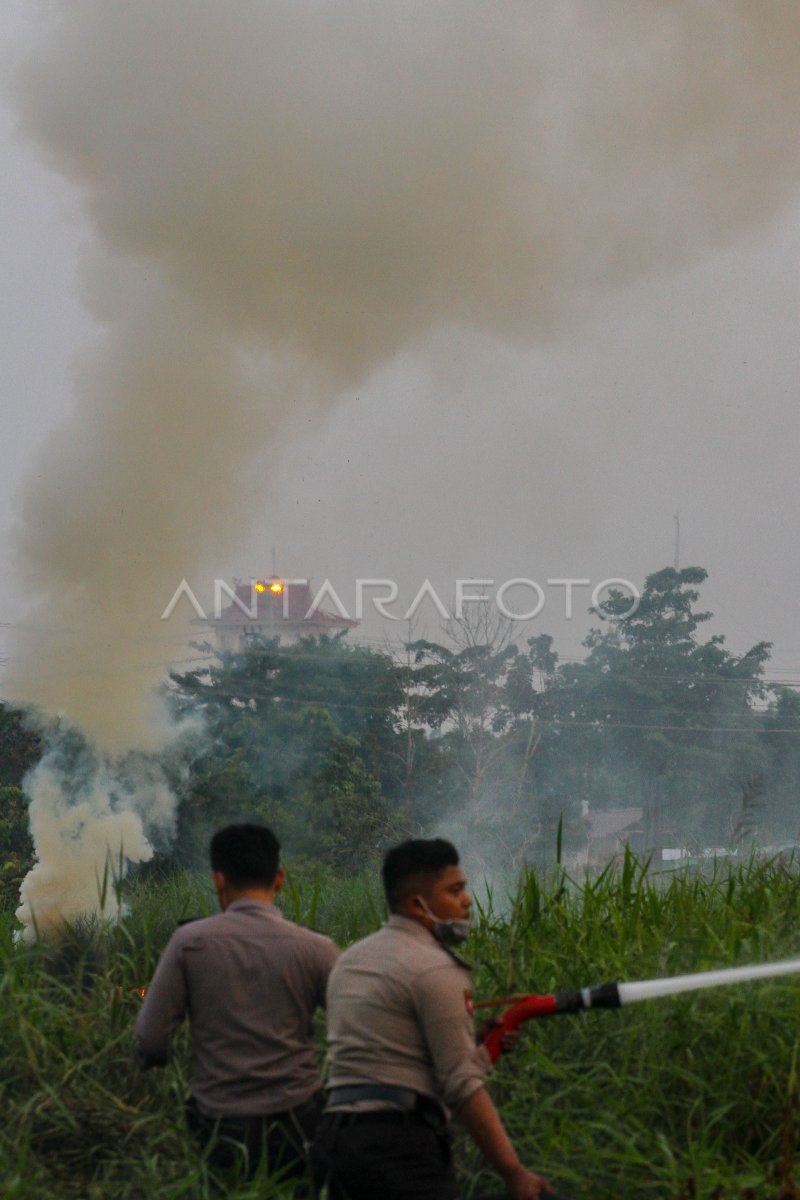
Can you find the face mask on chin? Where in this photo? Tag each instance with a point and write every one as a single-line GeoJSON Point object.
{"type": "Point", "coordinates": [451, 932]}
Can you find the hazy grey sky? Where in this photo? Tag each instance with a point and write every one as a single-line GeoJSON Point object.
{"type": "Point", "coordinates": [449, 435]}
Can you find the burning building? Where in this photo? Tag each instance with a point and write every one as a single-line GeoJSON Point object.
{"type": "Point", "coordinates": [274, 608]}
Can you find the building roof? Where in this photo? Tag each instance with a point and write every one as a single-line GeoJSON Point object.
{"type": "Point", "coordinates": [608, 822]}
{"type": "Point", "coordinates": [288, 610]}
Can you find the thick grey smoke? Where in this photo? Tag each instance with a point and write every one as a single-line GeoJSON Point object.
{"type": "Point", "coordinates": [286, 193]}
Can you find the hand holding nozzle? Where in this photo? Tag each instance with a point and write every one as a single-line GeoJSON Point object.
{"type": "Point", "coordinates": [613, 995]}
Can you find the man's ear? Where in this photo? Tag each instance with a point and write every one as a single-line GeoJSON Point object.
{"type": "Point", "coordinates": [414, 906]}
{"type": "Point", "coordinates": [221, 889]}
{"type": "Point", "coordinates": [280, 879]}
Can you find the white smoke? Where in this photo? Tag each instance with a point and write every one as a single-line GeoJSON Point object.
{"type": "Point", "coordinates": [285, 194]}
{"type": "Point", "coordinates": [88, 822]}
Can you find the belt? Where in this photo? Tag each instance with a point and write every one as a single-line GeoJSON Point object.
{"type": "Point", "coordinates": [406, 1105]}
{"type": "Point", "coordinates": [399, 1097]}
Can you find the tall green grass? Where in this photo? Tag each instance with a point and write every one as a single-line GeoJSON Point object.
{"type": "Point", "coordinates": [690, 1097]}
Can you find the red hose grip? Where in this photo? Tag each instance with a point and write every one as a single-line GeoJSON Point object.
{"type": "Point", "coordinates": [531, 1006]}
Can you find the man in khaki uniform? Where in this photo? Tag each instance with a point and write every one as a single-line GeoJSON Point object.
{"type": "Point", "coordinates": [402, 1047]}
{"type": "Point", "coordinates": [249, 981]}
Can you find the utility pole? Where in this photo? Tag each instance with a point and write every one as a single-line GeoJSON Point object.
{"type": "Point", "coordinates": [677, 519]}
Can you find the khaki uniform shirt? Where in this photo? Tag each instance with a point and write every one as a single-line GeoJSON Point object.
{"type": "Point", "coordinates": [400, 1012]}
{"type": "Point", "coordinates": [249, 981]}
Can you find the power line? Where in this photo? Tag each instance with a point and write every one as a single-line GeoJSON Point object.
{"type": "Point", "coordinates": [554, 723]}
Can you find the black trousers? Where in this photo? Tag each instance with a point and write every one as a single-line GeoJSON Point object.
{"type": "Point", "coordinates": [241, 1142]}
{"type": "Point", "coordinates": [382, 1156]}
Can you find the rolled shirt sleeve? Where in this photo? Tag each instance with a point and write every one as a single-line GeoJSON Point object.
{"type": "Point", "coordinates": [399, 1012]}
{"type": "Point", "coordinates": [459, 1065]}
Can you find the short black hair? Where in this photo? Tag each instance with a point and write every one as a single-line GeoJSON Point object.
{"type": "Point", "coordinates": [406, 866]}
{"type": "Point", "coordinates": [246, 854]}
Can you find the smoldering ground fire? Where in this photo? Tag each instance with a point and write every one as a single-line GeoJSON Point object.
{"type": "Point", "coordinates": [88, 817]}
{"type": "Point", "coordinates": [284, 198]}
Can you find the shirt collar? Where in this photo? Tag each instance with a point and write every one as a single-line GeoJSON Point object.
{"type": "Point", "coordinates": [409, 925]}
{"type": "Point", "coordinates": [418, 930]}
{"type": "Point", "coordinates": [264, 908]}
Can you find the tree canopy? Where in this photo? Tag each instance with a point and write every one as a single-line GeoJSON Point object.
{"type": "Point", "coordinates": [345, 748]}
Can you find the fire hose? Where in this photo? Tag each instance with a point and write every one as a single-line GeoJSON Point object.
{"type": "Point", "coordinates": [616, 995]}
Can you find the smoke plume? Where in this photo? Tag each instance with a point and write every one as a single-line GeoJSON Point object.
{"type": "Point", "coordinates": [88, 821]}
{"type": "Point", "coordinates": [284, 194]}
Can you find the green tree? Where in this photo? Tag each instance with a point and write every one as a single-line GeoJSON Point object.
{"type": "Point", "coordinates": [16, 846]}
{"type": "Point", "coordinates": [281, 724]}
{"type": "Point", "coordinates": [20, 746]}
{"type": "Point", "coordinates": [20, 751]}
{"type": "Point", "coordinates": [669, 718]}
{"type": "Point", "coordinates": [463, 700]}
{"type": "Point", "coordinates": [781, 739]}
{"type": "Point", "coordinates": [482, 699]}
{"type": "Point", "coordinates": [340, 817]}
